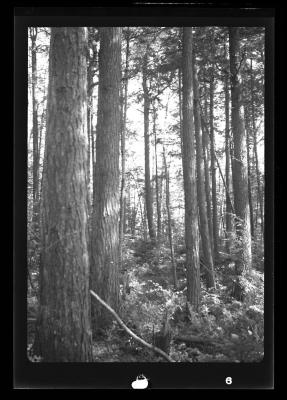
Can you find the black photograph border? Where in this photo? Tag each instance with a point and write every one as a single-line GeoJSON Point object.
{"type": "Point", "coordinates": [120, 375]}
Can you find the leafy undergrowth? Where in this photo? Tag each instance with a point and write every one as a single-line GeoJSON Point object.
{"type": "Point", "coordinates": [231, 331]}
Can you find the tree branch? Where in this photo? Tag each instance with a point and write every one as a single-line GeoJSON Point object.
{"type": "Point", "coordinates": [149, 346]}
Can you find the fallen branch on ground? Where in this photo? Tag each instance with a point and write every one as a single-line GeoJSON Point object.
{"type": "Point", "coordinates": [192, 339]}
{"type": "Point", "coordinates": [149, 346]}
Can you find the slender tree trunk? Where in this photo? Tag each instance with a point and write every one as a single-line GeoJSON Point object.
{"type": "Point", "coordinates": [134, 215]}
{"type": "Point", "coordinates": [89, 147]}
{"type": "Point", "coordinates": [228, 214]}
{"type": "Point", "coordinates": [167, 197]}
{"type": "Point", "coordinates": [240, 178]}
{"type": "Point", "coordinates": [157, 184]}
{"type": "Point", "coordinates": [260, 197]}
{"type": "Point", "coordinates": [144, 222]}
{"type": "Point", "coordinates": [206, 159]}
{"type": "Point", "coordinates": [128, 208]}
{"type": "Point", "coordinates": [249, 173]}
{"type": "Point", "coordinates": [123, 146]}
{"type": "Point", "coordinates": [189, 176]}
{"type": "Point", "coordinates": [213, 172]}
{"type": "Point", "coordinates": [105, 221]}
{"type": "Point", "coordinates": [204, 230]}
{"type": "Point", "coordinates": [35, 129]}
{"type": "Point", "coordinates": [180, 105]}
{"type": "Point", "coordinates": [148, 189]}
{"type": "Point", "coordinates": [63, 325]}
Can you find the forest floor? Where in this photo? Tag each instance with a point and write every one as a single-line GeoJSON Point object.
{"type": "Point", "coordinates": [224, 330]}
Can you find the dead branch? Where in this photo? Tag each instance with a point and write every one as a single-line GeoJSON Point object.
{"type": "Point", "coordinates": [192, 339]}
{"type": "Point", "coordinates": [149, 346]}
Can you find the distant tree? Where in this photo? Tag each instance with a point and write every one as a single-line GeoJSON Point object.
{"type": "Point", "coordinates": [206, 159]}
{"type": "Point", "coordinates": [254, 132]}
{"type": "Point", "coordinates": [63, 325]}
{"type": "Point", "coordinates": [148, 188]}
{"type": "Point", "coordinates": [228, 213]}
{"type": "Point", "coordinates": [158, 179]}
{"type": "Point", "coordinates": [213, 168]}
{"type": "Point", "coordinates": [33, 31]}
{"type": "Point", "coordinates": [105, 219]}
{"type": "Point", "coordinates": [169, 216]}
{"type": "Point", "coordinates": [92, 61]}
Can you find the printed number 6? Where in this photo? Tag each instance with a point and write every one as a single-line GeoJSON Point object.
{"type": "Point", "coordinates": [228, 380]}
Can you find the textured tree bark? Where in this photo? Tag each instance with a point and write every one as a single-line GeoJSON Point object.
{"type": "Point", "coordinates": [64, 333]}
{"type": "Point", "coordinates": [228, 216]}
{"type": "Point", "coordinates": [240, 179]}
{"type": "Point", "coordinates": [206, 159]}
{"type": "Point", "coordinates": [89, 149]}
{"type": "Point", "coordinates": [180, 105]}
{"type": "Point", "coordinates": [105, 220]}
{"type": "Point", "coordinates": [157, 183]}
{"type": "Point", "coordinates": [167, 198]}
{"type": "Point", "coordinates": [259, 191]}
{"type": "Point", "coordinates": [189, 176]}
{"type": "Point", "coordinates": [204, 230]}
{"type": "Point", "coordinates": [123, 145]}
{"type": "Point", "coordinates": [148, 189]}
{"type": "Point", "coordinates": [35, 129]}
{"type": "Point", "coordinates": [213, 172]}
{"type": "Point", "coordinates": [249, 172]}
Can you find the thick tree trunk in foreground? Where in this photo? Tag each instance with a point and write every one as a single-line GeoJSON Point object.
{"type": "Point", "coordinates": [105, 221]}
{"type": "Point", "coordinates": [189, 176]}
{"type": "Point", "coordinates": [240, 179]}
{"type": "Point", "coordinates": [64, 333]}
{"type": "Point", "coordinates": [204, 230]}
{"type": "Point", "coordinates": [148, 189]}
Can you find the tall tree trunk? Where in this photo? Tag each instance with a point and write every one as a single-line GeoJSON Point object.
{"type": "Point", "coordinates": [180, 105]}
{"type": "Point", "coordinates": [213, 172]}
{"type": "Point", "coordinates": [240, 179]}
{"type": "Point", "coordinates": [249, 172]}
{"type": "Point", "coordinates": [259, 191]}
{"type": "Point", "coordinates": [204, 230]}
{"type": "Point", "coordinates": [35, 129]}
{"type": "Point", "coordinates": [228, 215]}
{"type": "Point", "coordinates": [89, 112]}
{"type": "Point", "coordinates": [157, 184]}
{"type": "Point", "coordinates": [206, 159]}
{"type": "Point", "coordinates": [189, 176]}
{"type": "Point", "coordinates": [148, 189]}
{"type": "Point", "coordinates": [64, 333]}
{"type": "Point", "coordinates": [105, 224]}
{"type": "Point", "coordinates": [144, 222]}
{"type": "Point", "coordinates": [170, 239]}
{"type": "Point", "coordinates": [123, 146]}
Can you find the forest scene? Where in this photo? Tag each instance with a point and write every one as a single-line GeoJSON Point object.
{"type": "Point", "coordinates": [145, 194]}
